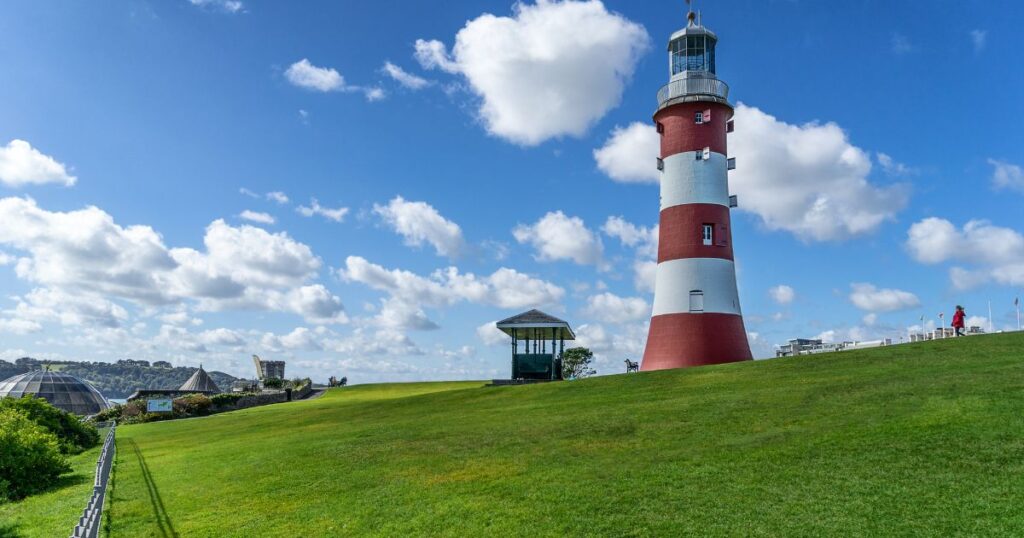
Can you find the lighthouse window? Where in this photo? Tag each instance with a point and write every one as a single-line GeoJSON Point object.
{"type": "Point", "coordinates": [698, 117]}
{"type": "Point", "coordinates": [696, 301]}
{"type": "Point", "coordinates": [708, 234]}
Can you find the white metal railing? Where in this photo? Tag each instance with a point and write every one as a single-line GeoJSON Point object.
{"type": "Point", "coordinates": [92, 517]}
{"type": "Point", "coordinates": [693, 86]}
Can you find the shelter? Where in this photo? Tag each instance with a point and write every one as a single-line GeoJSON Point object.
{"type": "Point", "coordinates": [200, 382]}
{"type": "Point", "coordinates": [536, 330]}
{"type": "Point", "coordinates": [63, 391]}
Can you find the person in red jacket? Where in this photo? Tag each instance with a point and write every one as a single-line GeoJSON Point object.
{"type": "Point", "coordinates": [958, 320]}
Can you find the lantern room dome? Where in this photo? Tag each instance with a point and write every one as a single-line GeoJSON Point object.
{"type": "Point", "coordinates": [63, 391]}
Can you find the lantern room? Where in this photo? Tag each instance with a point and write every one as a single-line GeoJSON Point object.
{"type": "Point", "coordinates": [692, 51]}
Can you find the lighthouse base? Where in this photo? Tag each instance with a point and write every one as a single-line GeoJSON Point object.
{"type": "Point", "coordinates": [688, 339]}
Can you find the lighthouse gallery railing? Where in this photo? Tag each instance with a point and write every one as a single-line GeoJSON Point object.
{"type": "Point", "coordinates": [693, 86]}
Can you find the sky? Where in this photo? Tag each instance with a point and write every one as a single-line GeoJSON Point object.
{"type": "Point", "coordinates": [363, 189]}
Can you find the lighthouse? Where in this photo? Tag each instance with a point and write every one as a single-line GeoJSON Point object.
{"type": "Point", "coordinates": [696, 318]}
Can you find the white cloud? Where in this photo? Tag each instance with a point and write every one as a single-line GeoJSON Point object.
{"type": "Point", "coordinates": [805, 179]}
{"type": "Point", "coordinates": [808, 180]}
{"type": "Point", "coordinates": [19, 326]}
{"type": "Point", "coordinates": [627, 154]}
{"type": "Point", "coordinates": [978, 38]}
{"type": "Point", "coordinates": [611, 308]}
{"type": "Point", "coordinates": [373, 94]}
{"type": "Point", "coordinates": [1007, 176]}
{"type": "Point", "coordinates": [551, 69]}
{"type": "Point", "coordinates": [782, 294]}
{"type": "Point", "coordinates": [901, 44]}
{"type": "Point", "coordinates": [299, 339]}
{"type": "Point", "coordinates": [644, 239]}
{"type": "Point", "coordinates": [612, 347]}
{"type": "Point", "coordinates": [181, 318]}
{"type": "Point", "coordinates": [872, 299]}
{"type": "Point", "coordinates": [997, 252]}
{"type": "Point", "coordinates": [419, 222]}
{"type": "Point", "coordinates": [248, 193]}
{"type": "Point", "coordinates": [306, 75]}
{"type": "Point", "coordinates": [404, 78]}
{"type": "Point", "coordinates": [87, 257]}
{"type": "Point", "coordinates": [52, 304]}
{"type": "Point", "coordinates": [505, 288]}
{"type": "Point", "coordinates": [558, 237]}
{"type": "Point", "coordinates": [891, 167]}
{"type": "Point", "coordinates": [490, 335]}
{"type": "Point", "coordinates": [21, 164]}
{"type": "Point", "coordinates": [255, 216]}
{"type": "Point", "coordinates": [644, 275]}
{"type": "Point", "coordinates": [229, 6]}
{"type": "Point", "coordinates": [314, 208]}
{"type": "Point", "coordinates": [278, 197]}
{"type": "Point", "coordinates": [222, 337]}
{"type": "Point", "coordinates": [396, 313]}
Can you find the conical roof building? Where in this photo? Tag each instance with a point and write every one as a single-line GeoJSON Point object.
{"type": "Point", "coordinates": [200, 382]}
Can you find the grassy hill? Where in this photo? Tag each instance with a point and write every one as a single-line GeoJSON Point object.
{"type": "Point", "coordinates": [922, 439]}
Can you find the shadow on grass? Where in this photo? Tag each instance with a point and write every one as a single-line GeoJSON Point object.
{"type": "Point", "coordinates": [9, 530]}
{"type": "Point", "coordinates": [163, 521]}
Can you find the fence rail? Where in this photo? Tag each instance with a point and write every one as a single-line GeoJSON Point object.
{"type": "Point", "coordinates": [693, 87]}
{"type": "Point", "coordinates": [92, 517]}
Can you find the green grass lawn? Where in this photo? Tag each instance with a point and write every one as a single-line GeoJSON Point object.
{"type": "Point", "coordinates": [922, 439]}
{"type": "Point", "coordinates": [55, 512]}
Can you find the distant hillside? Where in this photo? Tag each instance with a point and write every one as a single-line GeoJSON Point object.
{"type": "Point", "coordinates": [120, 379]}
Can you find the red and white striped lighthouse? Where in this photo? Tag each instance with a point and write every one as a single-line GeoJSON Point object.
{"type": "Point", "coordinates": [696, 318]}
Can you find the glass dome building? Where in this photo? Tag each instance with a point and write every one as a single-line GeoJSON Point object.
{"type": "Point", "coordinates": [63, 391]}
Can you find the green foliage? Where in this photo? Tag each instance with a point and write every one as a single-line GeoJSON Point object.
{"type": "Point", "coordinates": [73, 434]}
{"type": "Point", "coordinates": [227, 398]}
{"type": "Point", "coordinates": [273, 383]}
{"type": "Point", "coordinates": [30, 458]}
{"type": "Point", "coordinates": [577, 363]}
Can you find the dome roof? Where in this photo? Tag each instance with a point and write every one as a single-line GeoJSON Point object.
{"type": "Point", "coordinates": [200, 382]}
{"type": "Point", "coordinates": [63, 391]}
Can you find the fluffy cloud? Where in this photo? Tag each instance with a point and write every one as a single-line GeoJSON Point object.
{"type": "Point", "coordinates": [490, 335]}
{"type": "Point", "coordinates": [278, 197]}
{"type": "Point", "coordinates": [403, 77]}
{"type": "Point", "coordinates": [782, 294]}
{"type": "Point", "coordinates": [1007, 176]}
{"type": "Point", "coordinates": [306, 75]}
{"type": "Point", "coordinates": [611, 308]}
{"type": "Point", "coordinates": [255, 216]}
{"type": "Point", "coordinates": [85, 256]}
{"type": "Point", "coordinates": [978, 38]}
{"type": "Point", "coordinates": [551, 69]}
{"type": "Point", "coordinates": [21, 164]}
{"type": "Point", "coordinates": [872, 299]}
{"type": "Point", "coordinates": [505, 288]}
{"type": "Point", "coordinates": [997, 252]}
{"type": "Point", "coordinates": [612, 347]}
{"type": "Point", "coordinates": [229, 6]}
{"type": "Point", "coordinates": [805, 179]}
{"type": "Point", "coordinates": [626, 156]}
{"type": "Point", "coordinates": [314, 208]}
{"type": "Point", "coordinates": [644, 239]}
{"type": "Point", "coordinates": [558, 237]}
{"type": "Point", "coordinates": [419, 222]}
{"type": "Point", "coordinates": [19, 326]}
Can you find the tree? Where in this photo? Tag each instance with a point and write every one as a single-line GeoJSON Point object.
{"type": "Point", "coordinates": [29, 458]}
{"type": "Point", "coordinates": [576, 363]}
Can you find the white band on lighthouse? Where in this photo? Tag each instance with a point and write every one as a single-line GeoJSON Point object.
{"type": "Point", "coordinates": [678, 281]}
{"type": "Point", "coordinates": [685, 180]}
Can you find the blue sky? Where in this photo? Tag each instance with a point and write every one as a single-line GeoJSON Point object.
{"type": "Point", "coordinates": [878, 154]}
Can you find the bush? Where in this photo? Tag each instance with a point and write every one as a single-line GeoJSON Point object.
{"type": "Point", "coordinates": [273, 383]}
{"type": "Point", "coordinates": [73, 435]}
{"type": "Point", "coordinates": [30, 458]}
{"type": "Point", "coordinates": [192, 405]}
